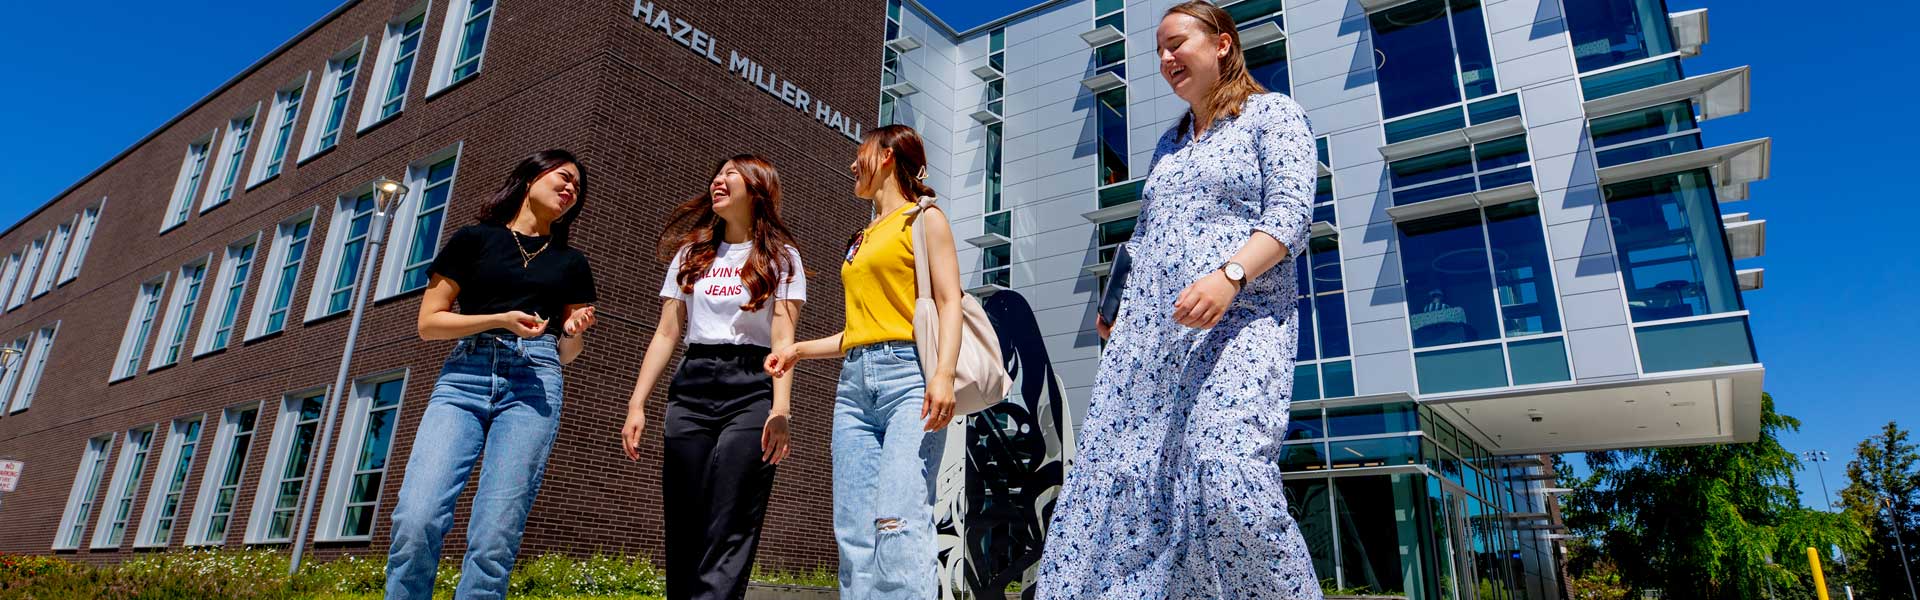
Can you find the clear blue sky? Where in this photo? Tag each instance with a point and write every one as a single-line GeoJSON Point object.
{"type": "Point", "coordinates": [1836, 324]}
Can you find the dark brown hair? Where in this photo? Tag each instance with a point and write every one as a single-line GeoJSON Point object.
{"type": "Point", "coordinates": [506, 202]}
{"type": "Point", "coordinates": [909, 157]}
{"type": "Point", "coordinates": [1236, 84]}
{"type": "Point", "coordinates": [696, 229]}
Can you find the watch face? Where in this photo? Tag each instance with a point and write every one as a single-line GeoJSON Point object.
{"type": "Point", "coordinates": [1236, 272]}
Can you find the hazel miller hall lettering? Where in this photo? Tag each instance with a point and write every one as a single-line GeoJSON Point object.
{"type": "Point", "coordinates": [706, 46]}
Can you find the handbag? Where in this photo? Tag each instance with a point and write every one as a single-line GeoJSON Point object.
{"type": "Point", "coordinates": [980, 377]}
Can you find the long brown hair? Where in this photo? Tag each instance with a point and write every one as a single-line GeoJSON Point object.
{"type": "Point", "coordinates": [694, 227]}
{"type": "Point", "coordinates": [909, 157]}
{"type": "Point", "coordinates": [506, 202]}
{"type": "Point", "coordinates": [1236, 84]}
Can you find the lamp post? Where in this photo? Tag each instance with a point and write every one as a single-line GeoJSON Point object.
{"type": "Point", "coordinates": [1899, 541]}
{"type": "Point", "coordinates": [8, 356]}
{"type": "Point", "coordinates": [385, 191]}
{"type": "Point", "coordinates": [1817, 457]}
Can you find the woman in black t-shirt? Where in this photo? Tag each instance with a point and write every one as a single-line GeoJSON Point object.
{"type": "Point", "coordinates": [525, 296]}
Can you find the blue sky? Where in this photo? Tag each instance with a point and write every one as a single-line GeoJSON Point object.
{"type": "Point", "coordinates": [1834, 325]}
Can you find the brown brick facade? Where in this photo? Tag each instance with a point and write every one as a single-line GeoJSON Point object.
{"type": "Point", "coordinates": [647, 116]}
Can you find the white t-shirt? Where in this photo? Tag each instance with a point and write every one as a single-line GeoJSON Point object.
{"type": "Point", "coordinates": [713, 309]}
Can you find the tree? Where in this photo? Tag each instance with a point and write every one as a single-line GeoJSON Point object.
{"type": "Point", "coordinates": [1886, 467]}
{"type": "Point", "coordinates": [1713, 521]}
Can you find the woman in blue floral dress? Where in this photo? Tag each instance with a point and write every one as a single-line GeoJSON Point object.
{"type": "Point", "coordinates": [1176, 490]}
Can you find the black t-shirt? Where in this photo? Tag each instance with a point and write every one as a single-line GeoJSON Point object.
{"type": "Point", "coordinates": [482, 259]}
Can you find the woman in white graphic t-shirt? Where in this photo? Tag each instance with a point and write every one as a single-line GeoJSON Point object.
{"type": "Point", "coordinates": [734, 288]}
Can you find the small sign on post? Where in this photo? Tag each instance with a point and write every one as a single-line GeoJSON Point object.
{"type": "Point", "coordinates": [9, 474]}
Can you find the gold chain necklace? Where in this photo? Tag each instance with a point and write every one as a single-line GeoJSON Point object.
{"type": "Point", "coordinates": [525, 258]}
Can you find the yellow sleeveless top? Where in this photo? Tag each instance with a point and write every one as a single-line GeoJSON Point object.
{"type": "Point", "coordinates": [879, 281]}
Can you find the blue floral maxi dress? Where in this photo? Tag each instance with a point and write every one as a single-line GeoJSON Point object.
{"type": "Point", "coordinates": [1175, 492]}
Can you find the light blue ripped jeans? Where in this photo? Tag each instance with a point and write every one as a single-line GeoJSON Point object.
{"type": "Point", "coordinates": [498, 394]}
{"type": "Point", "coordinates": [884, 472]}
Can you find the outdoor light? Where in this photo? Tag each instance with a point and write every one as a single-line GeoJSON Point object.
{"type": "Point", "coordinates": [385, 192]}
{"type": "Point", "coordinates": [7, 356]}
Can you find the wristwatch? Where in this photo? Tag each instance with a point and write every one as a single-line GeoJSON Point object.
{"type": "Point", "coordinates": [1235, 273]}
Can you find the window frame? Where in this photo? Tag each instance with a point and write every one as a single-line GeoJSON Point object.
{"type": "Point", "coordinates": [338, 82]}
{"type": "Point", "coordinates": [403, 222]}
{"type": "Point", "coordinates": [30, 259]}
{"type": "Point", "coordinates": [171, 460]}
{"type": "Point", "coordinates": [126, 478]}
{"type": "Point", "coordinates": [232, 159]}
{"type": "Point", "coordinates": [286, 424]}
{"type": "Point", "coordinates": [452, 40]}
{"type": "Point", "coordinates": [182, 306]}
{"type": "Point", "coordinates": [347, 449]}
{"type": "Point", "coordinates": [192, 176]}
{"type": "Point", "coordinates": [278, 261]}
{"type": "Point", "coordinates": [141, 321]}
{"type": "Point", "coordinates": [11, 276]}
{"type": "Point", "coordinates": [29, 369]}
{"type": "Point", "coordinates": [230, 287]}
{"type": "Point", "coordinates": [1453, 47]}
{"type": "Point", "coordinates": [380, 87]}
{"type": "Point", "coordinates": [283, 120]}
{"type": "Point", "coordinates": [15, 370]}
{"type": "Point", "coordinates": [332, 255]}
{"type": "Point", "coordinates": [57, 244]}
{"type": "Point", "coordinates": [218, 462]}
{"type": "Point", "coordinates": [83, 496]}
{"type": "Point", "coordinates": [87, 221]}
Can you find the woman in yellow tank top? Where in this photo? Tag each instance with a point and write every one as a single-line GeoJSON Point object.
{"type": "Point", "coordinates": [886, 409]}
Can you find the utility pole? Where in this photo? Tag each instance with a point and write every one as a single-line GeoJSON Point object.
{"type": "Point", "coordinates": [1817, 457]}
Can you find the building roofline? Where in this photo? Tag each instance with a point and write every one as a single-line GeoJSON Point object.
{"type": "Point", "coordinates": [988, 26]}
{"type": "Point", "coordinates": [182, 115]}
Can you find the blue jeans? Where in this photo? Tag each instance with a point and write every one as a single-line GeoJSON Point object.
{"type": "Point", "coordinates": [884, 473]}
{"type": "Point", "coordinates": [500, 394]}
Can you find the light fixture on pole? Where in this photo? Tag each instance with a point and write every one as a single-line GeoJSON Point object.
{"type": "Point", "coordinates": [7, 356]}
{"type": "Point", "coordinates": [1817, 457]}
{"type": "Point", "coordinates": [385, 192]}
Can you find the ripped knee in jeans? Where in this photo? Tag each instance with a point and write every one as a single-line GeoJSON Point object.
{"type": "Point", "coordinates": [889, 525]}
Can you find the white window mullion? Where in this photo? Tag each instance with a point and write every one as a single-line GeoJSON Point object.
{"type": "Point", "coordinates": [82, 238]}
{"type": "Point", "coordinates": [164, 497]}
{"type": "Point", "coordinates": [111, 530]}
{"type": "Point", "coordinates": [228, 293]}
{"type": "Point", "coordinates": [273, 304]}
{"type": "Point", "coordinates": [463, 43]}
{"type": "Point", "coordinates": [11, 276]}
{"type": "Point", "coordinates": [233, 153]}
{"type": "Point", "coordinates": [393, 69]}
{"type": "Point", "coordinates": [271, 160]}
{"type": "Point", "coordinates": [56, 251]}
{"type": "Point", "coordinates": [360, 461]}
{"type": "Point", "coordinates": [179, 315]}
{"type": "Point", "coordinates": [193, 170]}
{"type": "Point", "coordinates": [29, 267]}
{"type": "Point", "coordinates": [133, 343]}
{"type": "Point", "coordinates": [281, 484]}
{"type": "Point", "coordinates": [329, 117]}
{"type": "Point", "coordinates": [418, 220]}
{"type": "Point", "coordinates": [34, 365]}
{"type": "Point", "coordinates": [340, 264]}
{"type": "Point", "coordinates": [213, 510]}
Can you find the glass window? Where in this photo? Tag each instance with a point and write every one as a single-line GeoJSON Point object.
{"type": "Point", "coordinates": [994, 158]}
{"type": "Point", "coordinates": [133, 343]}
{"type": "Point", "coordinates": [888, 112]}
{"type": "Point", "coordinates": [997, 41]}
{"type": "Point", "coordinates": [1268, 64]}
{"type": "Point", "coordinates": [358, 221]}
{"type": "Point", "coordinates": [292, 239]}
{"type": "Point", "coordinates": [180, 315]}
{"type": "Point", "coordinates": [1672, 250]}
{"type": "Point", "coordinates": [82, 238]}
{"type": "Point", "coordinates": [1245, 12]}
{"type": "Point", "coordinates": [473, 39]}
{"type": "Point", "coordinates": [1336, 379]}
{"type": "Point", "coordinates": [11, 374]}
{"type": "Point", "coordinates": [1306, 424]}
{"type": "Point", "coordinates": [1426, 124]}
{"type": "Point", "coordinates": [237, 427]}
{"type": "Point", "coordinates": [1494, 109]}
{"type": "Point", "coordinates": [56, 250]}
{"type": "Point", "coordinates": [1378, 529]}
{"type": "Point", "coordinates": [1538, 361]}
{"type": "Point", "coordinates": [132, 468]}
{"type": "Point", "coordinates": [1118, 194]}
{"type": "Point", "coordinates": [1612, 32]}
{"type": "Point", "coordinates": [36, 366]}
{"type": "Point", "coordinates": [1322, 304]}
{"type": "Point", "coordinates": [1111, 112]}
{"type": "Point", "coordinates": [1111, 58]}
{"type": "Point", "coordinates": [1431, 53]}
{"type": "Point", "coordinates": [182, 439]}
{"type": "Point", "coordinates": [1306, 382]}
{"type": "Point", "coordinates": [1522, 271]}
{"type": "Point", "coordinates": [1449, 286]}
{"type": "Point", "coordinates": [1695, 345]}
{"type": "Point", "coordinates": [996, 90]}
{"type": "Point", "coordinates": [1371, 419]}
{"type": "Point", "coordinates": [1000, 223]}
{"type": "Point", "coordinates": [1484, 166]}
{"type": "Point", "coordinates": [1374, 452]}
{"type": "Point", "coordinates": [191, 171]}
{"type": "Point", "coordinates": [12, 275]}
{"type": "Point", "coordinates": [238, 267]}
{"type": "Point", "coordinates": [1644, 134]}
{"type": "Point", "coordinates": [1631, 78]}
{"type": "Point", "coordinates": [29, 262]}
{"type": "Point", "coordinates": [1455, 369]}
{"type": "Point", "coordinates": [286, 112]}
{"type": "Point", "coordinates": [995, 265]}
{"type": "Point", "coordinates": [1312, 509]}
{"type": "Point", "coordinates": [239, 132]}
{"type": "Point", "coordinates": [435, 183]}
{"type": "Point", "coordinates": [303, 414]}
{"type": "Point", "coordinates": [402, 65]}
{"type": "Point", "coordinates": [343, 72]}
{"type": "Point", "coordinates": [86, 484]}
{"type": "Point", "coordinates": [1111, 235]}
{"type": "Point", "coordinates": [370, 464]}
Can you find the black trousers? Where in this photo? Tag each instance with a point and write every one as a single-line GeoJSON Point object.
{"type": "Point", "coordinates": [715, 483]}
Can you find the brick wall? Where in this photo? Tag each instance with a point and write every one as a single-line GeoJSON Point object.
{"type": "Point", "coordinates": [647, 116]}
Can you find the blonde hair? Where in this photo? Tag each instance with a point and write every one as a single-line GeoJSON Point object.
{"type": "Point", "coordinates": [1236, 84]}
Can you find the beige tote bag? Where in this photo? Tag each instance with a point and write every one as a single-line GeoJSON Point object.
{"type": "Point", "coordinates": [980, 378]}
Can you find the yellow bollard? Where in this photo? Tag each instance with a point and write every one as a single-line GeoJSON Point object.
{"type": "Point", "coordinates": [1819, 579]}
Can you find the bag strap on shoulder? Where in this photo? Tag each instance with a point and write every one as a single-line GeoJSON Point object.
{"type": "Point", "coordinates": [923, 284]}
